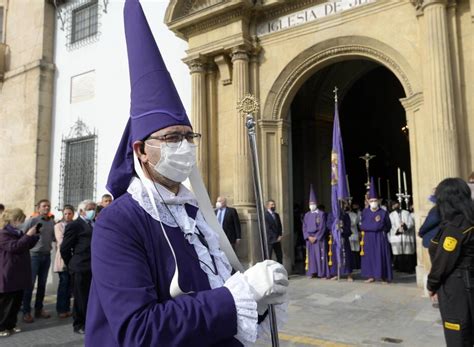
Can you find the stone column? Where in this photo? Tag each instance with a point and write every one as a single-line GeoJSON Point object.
{"type": "Point", "coordinates": [199, 114]}
{"type": "Point", "coordinates": [243, 189]}
{"type": "Point", "coordinates": [212, 131]}
{"type": "Point", "coordinates": [439, 87]}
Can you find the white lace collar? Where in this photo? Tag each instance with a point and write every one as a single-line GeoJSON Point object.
{"type": "Point", "coordinates": [172, 212]}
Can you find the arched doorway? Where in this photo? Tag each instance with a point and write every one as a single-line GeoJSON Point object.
{"type": "Point", "coordinates": [372, 121]}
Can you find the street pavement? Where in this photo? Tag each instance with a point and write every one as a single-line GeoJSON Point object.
{"type": "Point", "coordinates": [321, 313]}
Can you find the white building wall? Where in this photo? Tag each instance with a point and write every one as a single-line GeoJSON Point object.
{"type": "Point", "coordinates": [108, 111]}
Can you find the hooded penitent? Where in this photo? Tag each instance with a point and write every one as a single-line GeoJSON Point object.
{"type": "Point", "coordinates": [312, 195]}
{"type": "Point", "coordinates": [372, 191]}
{"type": "Point", "coordinates": [154, 101]}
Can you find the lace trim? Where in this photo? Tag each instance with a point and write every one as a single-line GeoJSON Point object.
{"type": "Point", "coordinates": [247, 317]}
{"type": "Point", "coordinates": [188, 225]}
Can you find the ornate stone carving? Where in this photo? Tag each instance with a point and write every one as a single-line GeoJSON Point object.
{"type": "Point", "coordinates": [417, 3]}
{"type": "Point", "coordinates": [191, 6]}
{"type": "Point", "coordinates": [421, 4]}
{"type": "Point", "coordinates": [225, 68]}
{"type": "Point", "coordinates": [332, 52]}
{"type": "Point", "coordinates": [196, 66]}
{"type": "Point", "coordinates": [240, 53]}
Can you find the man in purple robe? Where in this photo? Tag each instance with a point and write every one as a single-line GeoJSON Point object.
{"type": "Point", "coordinates": [315, 232]}
{"type": "Point", "coordinates": [376, 260]}
{"type": "Point", "coordinates": [159, 277]}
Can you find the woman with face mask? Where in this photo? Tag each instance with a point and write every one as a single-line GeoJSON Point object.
{"type": "Point", "coordinates": [15, 267]}
{"type": "Point", "coordinates": [63, 298]}
{"type": "Point", "coordinates": [376, 260]}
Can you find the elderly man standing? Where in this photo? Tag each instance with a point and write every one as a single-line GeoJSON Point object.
{"type": "Point", "coordinates": [160, 277]}
{"type": "Point", "coordinates": [40, 260]}
{"type": "Point", "coordinates": [76, 253]}
{"type": "Point", "coordinates": [229, 220]}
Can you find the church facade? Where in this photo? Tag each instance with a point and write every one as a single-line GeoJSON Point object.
{"type": "Point", "coordinates": [272, 48]}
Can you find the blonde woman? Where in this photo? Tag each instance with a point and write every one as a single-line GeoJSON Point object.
{"type": "Point", "coordinates": [15, 266]}
{"type": "Point", "coordinates": [63, 300]}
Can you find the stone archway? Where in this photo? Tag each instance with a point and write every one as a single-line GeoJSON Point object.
{"type": "Point", "coordinates": [329, 52]}
{"type": "Point", "coordinates": [274, 123]}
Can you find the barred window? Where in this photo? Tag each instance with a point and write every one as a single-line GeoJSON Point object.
{"type": "Point", "coordinates": [79, 169]}
{"type": "Point", "coordinates": [84, 21]}
{"type": "Point", "coordinates": [1, 24]}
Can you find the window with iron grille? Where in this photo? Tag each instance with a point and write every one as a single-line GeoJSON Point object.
{"type": "Point", "coordinates": [78, 169]}
{"type": "Point", "coordinates": [84, 21]}
{"type": "Point", "coordinates": [1, 24]}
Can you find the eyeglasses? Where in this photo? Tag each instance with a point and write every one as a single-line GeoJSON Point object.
{"type": "Point", "coordinates": [174, 139]}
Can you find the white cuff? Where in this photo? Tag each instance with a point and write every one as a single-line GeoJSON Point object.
{"type": "Point", "coordinates": [246, 306]}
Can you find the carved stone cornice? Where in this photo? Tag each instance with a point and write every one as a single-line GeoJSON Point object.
{"type": "Point", "coordinates": [288, 8]}
{"type": "Point", "coordinates": [212, 22]}
{"type": "Point", "coordinates": [191, 6]}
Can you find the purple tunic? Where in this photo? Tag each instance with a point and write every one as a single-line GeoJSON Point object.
{"type": "Point", "coordinates": [346, 253]}
{"type": "Point", "coordinates": [132, 268]}
{"type": "Point", "coordinates": [376, 261]}
{"type": "Point", "coordinates": [314, 224]}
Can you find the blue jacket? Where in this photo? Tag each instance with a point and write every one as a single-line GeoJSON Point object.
{"type": "Point", "coordinates": [430, 227]}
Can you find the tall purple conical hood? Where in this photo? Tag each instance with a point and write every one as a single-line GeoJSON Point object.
{"type": "Point", "coordinates": [154, 104]}
{"type": "Point", "coordinates": [372, 191]}
{"type": "Point", "coordinates": [312, 195]}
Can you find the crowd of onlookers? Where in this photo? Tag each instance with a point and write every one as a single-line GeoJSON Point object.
{"type": "Point", "coordinates": [26, 246]}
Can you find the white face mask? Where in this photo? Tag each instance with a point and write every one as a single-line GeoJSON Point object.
{"type": "Point", "coordinates": [177, 160]}
{"type": "Point", "coordinates": [312, 207]}
{"type": "Point", "coordinates": [374, 205]}
{"type": "Point", "coordinates": [218, 204]}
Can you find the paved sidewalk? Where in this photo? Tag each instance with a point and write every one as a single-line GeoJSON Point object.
{"type": "Point", "coordinates": [321, 313]}
{"type": "Point", "coordinates": [331, 313]}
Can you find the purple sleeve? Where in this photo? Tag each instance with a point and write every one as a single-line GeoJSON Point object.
{"type": "Point", "coordinates": [16, 246]}
{"type": "Point", "coordinates": [122, 278]}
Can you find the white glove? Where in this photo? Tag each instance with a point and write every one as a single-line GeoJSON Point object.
{"type": "Point", "coordinates": [268, 281]}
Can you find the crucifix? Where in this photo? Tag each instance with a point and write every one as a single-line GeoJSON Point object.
{"type": "Point", "coordinates": [367, 157]}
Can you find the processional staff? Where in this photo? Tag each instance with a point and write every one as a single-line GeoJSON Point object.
{"type": "Point", "coordinates": [367, 158]}
{"type": "Point", "coordinates": [248, 106]}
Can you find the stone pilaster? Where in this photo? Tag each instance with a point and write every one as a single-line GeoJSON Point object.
{"type": "Point", "coordinates": [439, 89]}
{"type": "Point", "coordinates": [254, 69]}
{"type": "Point", "coordinates": [213, 144]}
{"type": "Point", "coordinates": [199, 114]}
{"type": "Point", "coordinates": [243, 189]}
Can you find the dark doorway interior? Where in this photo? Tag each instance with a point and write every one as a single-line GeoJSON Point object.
{"type": "Point", "coordinates": [372, 121]}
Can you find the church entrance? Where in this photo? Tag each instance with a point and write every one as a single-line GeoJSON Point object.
{"type": "Point", "coordinates": [372, 121]}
